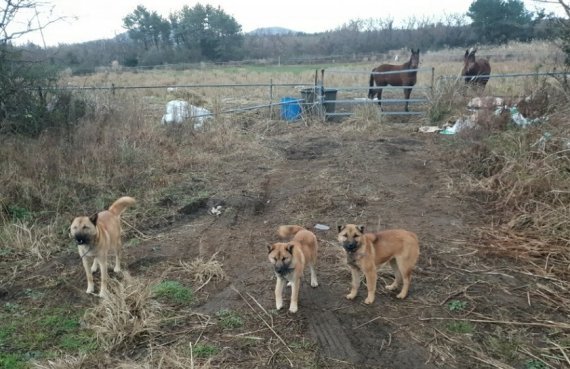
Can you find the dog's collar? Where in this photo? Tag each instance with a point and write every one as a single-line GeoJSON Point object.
{"type": "Point", "coordinates": [86, 245]}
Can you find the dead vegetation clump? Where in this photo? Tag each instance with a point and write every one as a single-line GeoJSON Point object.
{"type": "Point", "coordinates": [126, 317]}
{"type": "Point", "coordinates": [523, 176]}
{"type": "Point", "coordinates": [203, 271]}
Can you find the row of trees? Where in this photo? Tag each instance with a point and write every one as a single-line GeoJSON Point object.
{"type": "Point", "coordinates": [207, 32]}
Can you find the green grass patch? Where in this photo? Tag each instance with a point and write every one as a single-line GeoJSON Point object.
{"type": "Point", "coordinates": [456, 305]}
{"type": "Point", "coordinates": [12, 361]}
{"type": "Point", "coordinates": [40, 334]}
{"type": "Point", "coordinates": [460, 327]}
{"type": "Point", "coordinates": [534, 364]}
{"type": "Point", "coordinates": [229, 319]}
{"type": "Point", "coordinates": [173, 292]}
{"type": "Point", "coordinates": [204, 350]}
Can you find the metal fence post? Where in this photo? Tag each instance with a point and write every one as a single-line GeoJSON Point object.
{"type": "Point", "coordinates": [322, 96]}
{"type": "Point", "coordinates": [432, 79]}
{"type": "Point", "coordinates": [271, 98]}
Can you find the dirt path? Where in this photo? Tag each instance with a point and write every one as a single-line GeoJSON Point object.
{"type": "Point", "coordinates": [391, 181]}
{"type": "Point", "coordinates": [396, 179]}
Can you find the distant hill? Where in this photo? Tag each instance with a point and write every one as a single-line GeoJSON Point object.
{"type": "Point", "coordinates": [271, 31]}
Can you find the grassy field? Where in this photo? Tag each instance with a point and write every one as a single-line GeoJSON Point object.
{"type": "Point", "coordinates": [490, 207]}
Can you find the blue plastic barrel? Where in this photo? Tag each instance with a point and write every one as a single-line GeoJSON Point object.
{"type": "Point", "coordinates": [290, 108]}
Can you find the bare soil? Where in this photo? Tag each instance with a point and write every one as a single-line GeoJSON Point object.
{"type": "Point", "coordinates": [394, 178]}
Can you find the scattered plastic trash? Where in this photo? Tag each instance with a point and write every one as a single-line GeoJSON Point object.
{"type": "Point", "coordinates": [486, 102]}
{"type": "Point", "coordinates": [518, 118]}
{"type": "Point", "coordinates": [178, 111]}
{"type": "Point", "coordinates": [460, 124]}
{"type": "Point", "coordinates": [216, 210]}
{"type": "Point", "coordinates": [541, 143]}
{"type": "Point", "coordinates": [429, 129]}
{"type": "Point", "coordinates": [322, 227]}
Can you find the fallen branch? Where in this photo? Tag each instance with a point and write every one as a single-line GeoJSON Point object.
{"type": "Point", "coordinates": [263, 320]}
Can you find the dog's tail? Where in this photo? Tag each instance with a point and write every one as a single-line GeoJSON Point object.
{"type": "Point", "coordinates": [288, 230]}
{"type": "Point", "coordinates": [121, 204]}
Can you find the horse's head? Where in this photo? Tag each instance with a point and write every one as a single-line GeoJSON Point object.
{"type": "Point", "coordinates": [415, 59]}
{"type": "Point", "coordinates": [469, 60]}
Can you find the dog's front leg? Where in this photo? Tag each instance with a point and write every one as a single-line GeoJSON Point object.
{"type": "Point", "coordinates": [371, 278]}
{"type": "Point", "coordinates": [355, 283]}
{"type": "Point", "coordinates": [94, 266]}
{"type": "Point", "coordinates": [279, 293]}
{"type": "Point", "coordinates": [296, 285]}
{"type": "Point", "coordinates": [89, 274]}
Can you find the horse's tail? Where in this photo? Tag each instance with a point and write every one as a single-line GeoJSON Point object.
{"type": "Point", "coordinates": [371, 84]}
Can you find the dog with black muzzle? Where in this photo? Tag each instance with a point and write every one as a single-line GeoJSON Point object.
{"type": "Point", "coordinates": [289, 260]}
{"type": "Point", "coordinates": [366, 251]}
{"type": "Point", "coordinates": [96, 236]}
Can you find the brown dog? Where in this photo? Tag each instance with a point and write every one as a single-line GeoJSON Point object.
{"type": "Point", "coordinates": [289, 260]}
{"type": "Point", "coordinates": [365, 251]}
{"type": "Point", "coordinates": [96, 236]}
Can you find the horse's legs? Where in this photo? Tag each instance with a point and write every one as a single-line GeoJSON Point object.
{"type": "Point", "coordinates": [380, 98]}
{"type": "Point", "coordinates": [371, 91]}
{"type": "Point", "coordinates": [407, 92]}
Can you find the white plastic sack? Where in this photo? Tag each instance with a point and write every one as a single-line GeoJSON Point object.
{"type": "Point", "coordinates": [178, 111]}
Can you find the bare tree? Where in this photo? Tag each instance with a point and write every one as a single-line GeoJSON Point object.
{"type": "Point", "coordinates": [564, 3]}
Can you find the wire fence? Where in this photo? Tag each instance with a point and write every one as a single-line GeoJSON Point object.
{"type": "Point", "coordinates": [317, 98]}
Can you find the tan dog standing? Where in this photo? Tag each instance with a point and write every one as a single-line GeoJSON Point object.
{"type": "Point", "coordinates": [289, 260]}
{"type": "Point", "coordinates": [365, 251]}
{"type": "Point", "coordinates": [96, 236]}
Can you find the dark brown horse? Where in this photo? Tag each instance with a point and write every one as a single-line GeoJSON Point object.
{"type": "Point", "coordinates": [475, 71]}
{"type": "Point", "coordinates": [387, 74]}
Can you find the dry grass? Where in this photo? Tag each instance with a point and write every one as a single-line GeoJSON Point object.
{"type": "Point", "coordinates": [127, 317]}
{"type": "Point", "coordinates": [522, 174]}
{"type": "Point", "coordinates": [203, 271]}
{"type": "Point", "coordinates": [31, 241]}
{"type": "Point", "coordinates": [157, 358]}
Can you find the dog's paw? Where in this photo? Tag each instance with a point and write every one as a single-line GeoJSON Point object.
{"type": "Point", "coordinates": [117, 270]}
{"type": "Point", "coordinates": [369, 300]}
{"type": "Point", "coordinates": [293, 309]}
{"type": "Point", "coordinates": [314, 284]}
{"type": "Point", "coordinates": [401, 296]}
{"type": "Point", "coordinates": [90, 291]}
{"type": "Point", "coordinates": [351, 296]}
{"type": "Point", "coordinates": [279, 306]}
{"type": "Point", "coordinates": [289, 284]}
{"type": "Point", "coordinates": [391, 287]}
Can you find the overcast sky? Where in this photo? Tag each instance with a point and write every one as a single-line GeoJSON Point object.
{"type": "Point", "coordinates": [98, 19]}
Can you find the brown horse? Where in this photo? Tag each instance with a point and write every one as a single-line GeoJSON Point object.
{"type": "Point", "coordinates": [475, 71]}
{"type": "Point", "coordinates": [387, 74]}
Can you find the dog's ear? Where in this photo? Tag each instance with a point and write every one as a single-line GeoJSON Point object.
{"type": "Point", "coordinates": [340, 228]}
{"type": "Point", "coordinates": [466, 52]}
{"type": "Point", "coordinates": [360, 228]}
{"type": "Point", "coordinates": [269, 248]}
{"type": "Point", "coordinates": [290, 248]}
{"type": "Point", "coordinates": [93, 218]}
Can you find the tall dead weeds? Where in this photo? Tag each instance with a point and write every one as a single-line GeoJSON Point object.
{"type": "Point", "coordinates": [127, 316]}
{"type": "Point", "coordinates": [523, 177]}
